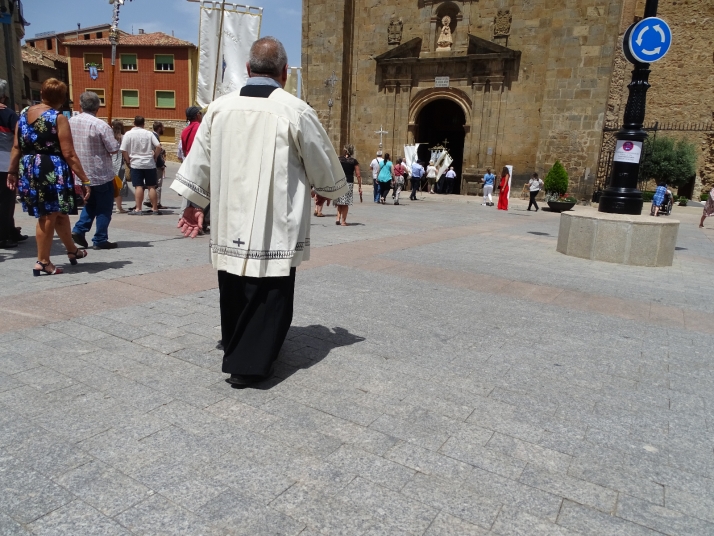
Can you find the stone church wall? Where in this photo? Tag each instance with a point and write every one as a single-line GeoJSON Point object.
{"type": "Point", "coordinates": [552, 107]}
{"type": "Point", "coordinates": [682, 94]}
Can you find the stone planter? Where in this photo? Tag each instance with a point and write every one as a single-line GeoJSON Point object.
{"type": "Point", "coordinates": [561, 206]}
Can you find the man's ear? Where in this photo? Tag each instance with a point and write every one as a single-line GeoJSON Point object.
{"type": "Point", "coordinates": [247, 68]}
{"type": "Point", "coordinates": [284, 75]}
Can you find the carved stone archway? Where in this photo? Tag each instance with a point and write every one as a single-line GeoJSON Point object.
{"type": "Point", "coordinates": [426, 96]}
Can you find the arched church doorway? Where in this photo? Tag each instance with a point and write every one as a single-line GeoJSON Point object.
{"type": "Point", "coordinates": [441, 122]}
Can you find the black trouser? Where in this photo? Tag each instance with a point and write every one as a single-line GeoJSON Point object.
{"type": "Point", "coordinates": [7, 211]}
{"type": "Point", "coordinates": [416, 182]}
{"type": "Point", "coordinates": [533, 200]}
{"type": "Point", "coordinates": [449, 186]}
{"type": "Point", "coordinates": [384, 188]}
{"type": "Point", "coordinates": [256, 313]}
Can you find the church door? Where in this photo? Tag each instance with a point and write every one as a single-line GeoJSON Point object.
{"type": "Point", "coordinates": [443, 121]}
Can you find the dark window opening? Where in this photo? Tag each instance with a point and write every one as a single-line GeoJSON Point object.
{"type": "Point", "coordinates": [34, 75]}
{"type": "Point", "coordinates": [100, 35]}
{"type": "Point", "coordinates": [49, 44]}
{"type": "Point", "coordinates": [86, 37]}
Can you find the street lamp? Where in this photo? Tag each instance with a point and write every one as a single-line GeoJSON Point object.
{"type": "Point", "coordinates": [114, 40]}
{"type": "Point", "coordinates": [622, 195]}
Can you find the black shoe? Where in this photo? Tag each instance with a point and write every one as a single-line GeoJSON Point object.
{"type": "Point", "coordinates": [7, 244]}
{"type": "Point", "coordinates": [105, 245]}
{"type": "Point", "coordinates": [79, 239]}
{"type": "Point", "coordinates": [147, 204]}
{"type": "Point", "coordinates": [238, 380]}
{"type": "Point", "coordinates": [219, 346]}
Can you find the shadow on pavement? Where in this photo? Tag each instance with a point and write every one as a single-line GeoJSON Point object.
{"type": "Point", "coordinates": [305, 347]}
{"type": "Point", "coordinates": [97, 267]}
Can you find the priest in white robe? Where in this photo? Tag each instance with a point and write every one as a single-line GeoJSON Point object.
{"type": "Point", "coordinates": [255, 157]}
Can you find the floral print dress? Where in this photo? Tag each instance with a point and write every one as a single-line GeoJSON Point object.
{"type": "Point", "coordinates": [46, 184]}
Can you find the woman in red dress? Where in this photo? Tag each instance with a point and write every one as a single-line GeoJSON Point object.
{"type": "Point", "coordinates": [503, 194]}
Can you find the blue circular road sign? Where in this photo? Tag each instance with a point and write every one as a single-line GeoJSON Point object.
{"type": "Point", "coordinates": [650, 39]}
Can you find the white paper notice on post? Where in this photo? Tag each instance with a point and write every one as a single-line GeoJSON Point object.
{"type": "Point", "coordinates": [628, 151]}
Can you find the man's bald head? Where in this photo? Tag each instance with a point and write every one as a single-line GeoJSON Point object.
{"type": "Point", "coordinates": [267, 58]}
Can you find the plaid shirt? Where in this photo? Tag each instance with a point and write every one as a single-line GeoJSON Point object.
{"type": "Point", "coordinates": [94, 142]}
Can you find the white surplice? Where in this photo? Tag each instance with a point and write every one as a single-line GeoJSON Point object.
{"type": "Point", "coordinates": [254, 160]}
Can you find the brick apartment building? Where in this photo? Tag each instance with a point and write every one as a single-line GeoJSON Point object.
{"type": "Point", "coordinates": [55, 41]}
{"type": "Point", "coordinates": [155, 77]}
{"type": "Point", "coordinates": [39, 65]}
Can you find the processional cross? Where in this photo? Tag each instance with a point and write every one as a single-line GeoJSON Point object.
{"type": "Point", "coordinates": [381, 133]}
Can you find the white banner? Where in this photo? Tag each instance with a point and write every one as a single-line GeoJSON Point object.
{"type": "Point", "coordinates": [443, 164]}
{"type": "Point", "coordinates": [410, 155]}
{"type": "Point", "coordinates": [225, 38]}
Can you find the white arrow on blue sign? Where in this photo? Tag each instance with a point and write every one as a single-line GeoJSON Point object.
{"type": "Point", "coordinates": [650, 39]}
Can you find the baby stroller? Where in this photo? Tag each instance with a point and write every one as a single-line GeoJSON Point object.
{"type": "Point", "coordinates": [665, 208]}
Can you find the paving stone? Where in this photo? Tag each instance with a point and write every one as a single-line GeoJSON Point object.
{"type": "Point", "coordinates": [535, 455]}
{"type": "Point", "coordinates": [10, 527]}
{"type": "Point", "coordinates": [616, 478]}
{"type": "Point", "coordinates": [389, 507]}
{"type": "Point", "coordinates": [453, 498]}
{"type": "Point", "coordinates": [103, 487]}
{"type": "Point", "coordinates": [482, 457]}
{"type": "Point", "coordinates": [660, 518]}
{"type": "Point", "coordinates": [371, 467]}
{"type": "Point", "coordinates": [526, 498]}
{"type": "Point", "coordinates": [571, 488]}
{"type": "Point", "coordinates": [333, 515]}
{"type": "Point", "coordinates": [446, 525]}
{"type": "Point", "coordinates": [681, 501]}
{"type": "Point", "coordinates": [412, 433]}
{"type": "Point", "coordinates": [428, 462]}
{"type": "Point", "coordinates": [585, 520]}
{"type": "Point", "coordinates": [157, 515]}
{"type": "Point", "coordinates": [514, 522]}
{"type": "Point", "coordinates": [76, 519]}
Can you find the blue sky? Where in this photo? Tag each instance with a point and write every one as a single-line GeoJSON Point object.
{"type": "Point", "coordinates": [281, 18]}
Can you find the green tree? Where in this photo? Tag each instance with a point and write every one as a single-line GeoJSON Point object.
{"type": "Point", "coordinates": [669, 160]}
{"type": "Point", "coordinates": [556, 181]}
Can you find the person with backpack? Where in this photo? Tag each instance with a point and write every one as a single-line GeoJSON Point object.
{"type": "Point", "coordinates": [160, 165]}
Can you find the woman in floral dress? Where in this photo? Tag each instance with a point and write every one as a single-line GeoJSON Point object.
{"type": "Point", "coordinates": [40, 167]}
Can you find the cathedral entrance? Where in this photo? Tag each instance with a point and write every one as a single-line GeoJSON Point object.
{"type": "Point", "coordinates": [441, 122]}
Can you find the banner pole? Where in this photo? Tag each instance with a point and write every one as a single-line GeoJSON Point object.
{"type": "Point", "coordinates": [220, 46]}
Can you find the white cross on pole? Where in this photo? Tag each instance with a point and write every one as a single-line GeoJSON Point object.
{"type": "Point", "coordinates": [381, 133]}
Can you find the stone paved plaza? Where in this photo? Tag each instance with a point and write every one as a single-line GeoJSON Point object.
{"type": "Point", "coordinates": [447, 373]}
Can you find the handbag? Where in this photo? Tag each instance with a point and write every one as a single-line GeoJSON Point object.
{"type": "Point", "coordinates": [118, 183]}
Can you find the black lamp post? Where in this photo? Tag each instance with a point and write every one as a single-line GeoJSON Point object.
{"type": "Point", "coordinates": [622, 195]}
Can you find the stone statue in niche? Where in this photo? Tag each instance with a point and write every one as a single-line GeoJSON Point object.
{"type": "Point", "coordinates": [502, 23]}
{"type": "Point", "coordinates": [395, 31]}
{"type": "Point", "coordinates": [445, 41]}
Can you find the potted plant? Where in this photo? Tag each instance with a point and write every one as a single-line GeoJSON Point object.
{"type": "Point", "coordinates": [556, 187]}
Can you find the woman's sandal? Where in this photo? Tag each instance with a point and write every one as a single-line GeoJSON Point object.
{"type": "Point", "coordinates": [44, 269]}
{"type": "Point", "coordinates": [78, 254]}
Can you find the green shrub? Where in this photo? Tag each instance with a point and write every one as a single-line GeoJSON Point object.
{"type": "Point", "coordinates": [556, 181]}
{"type": "Point", "coordinates": [647, 196]}
{"type": "Point", "coordinates": [704, 197]}
{"type": "Point", "coordinates": [683, 201]}
{"type": "Point", "coordinates": [669, 160]}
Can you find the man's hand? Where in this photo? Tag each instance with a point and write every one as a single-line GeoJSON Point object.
{"type": "Point", "coordinates": [191, 223]}
{"type": "Point", "coordinates": [86, 190]}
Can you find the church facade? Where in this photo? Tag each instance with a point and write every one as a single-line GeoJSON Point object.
{"type": "Point", "coordinates": [496, 82]}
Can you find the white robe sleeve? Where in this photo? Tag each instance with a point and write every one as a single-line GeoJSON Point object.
{"type": "Point", "coordinates": [193, 180]}
{"type": "Point", "coordinates": [322, 167]}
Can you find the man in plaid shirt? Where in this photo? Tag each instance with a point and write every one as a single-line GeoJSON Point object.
{"type": "Point", "coordinates": [95, 144]}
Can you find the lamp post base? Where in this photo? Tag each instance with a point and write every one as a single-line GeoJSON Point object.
{"type": "Point", "coordinates": [621, 201]}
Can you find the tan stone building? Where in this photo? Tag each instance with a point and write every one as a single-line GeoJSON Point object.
{"type": "Point", "coordinates": [519, 82]}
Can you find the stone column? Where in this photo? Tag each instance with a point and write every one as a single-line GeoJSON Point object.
{"type": "Point", "coordinates": [474, 138]}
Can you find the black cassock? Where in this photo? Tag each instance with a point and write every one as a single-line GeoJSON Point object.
{"type": "Point", "coordinates": [256, 313]}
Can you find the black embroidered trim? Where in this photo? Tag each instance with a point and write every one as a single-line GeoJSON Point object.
{"type": "Point", "coordinates": [257, 254]}
{"type": "Point", "coordinates": [193, 186]}
{"type": "Point", "coordinates": [342, 182]}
